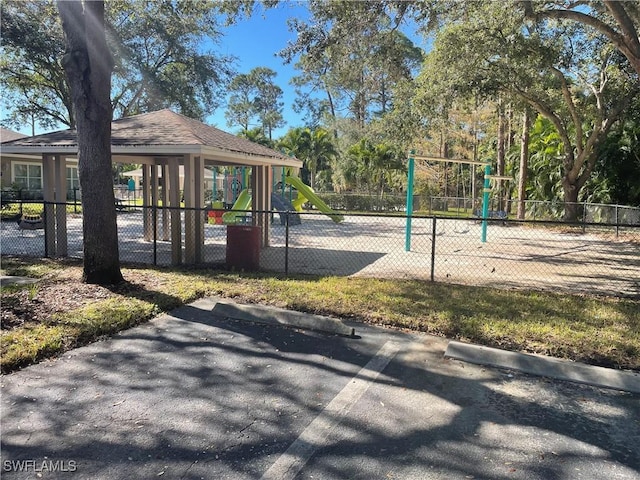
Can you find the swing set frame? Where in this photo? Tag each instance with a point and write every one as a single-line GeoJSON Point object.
{"type": "Point", "coordinates": [485, 191]}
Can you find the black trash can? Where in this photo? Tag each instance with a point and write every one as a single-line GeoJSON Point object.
{"type": "Point", "coordinates": [243, 247]}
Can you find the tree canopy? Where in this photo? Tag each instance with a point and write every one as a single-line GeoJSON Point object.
{"type": "Point", "coordinates": [159, 60]}
{"type": "Point", "coordinates": [568, 74]}
{"type": "Point", "coordinates": [351, 53]}
{"type": "Point", "coordinates": [255, 100]}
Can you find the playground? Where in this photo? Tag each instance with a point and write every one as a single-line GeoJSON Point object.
{"type": "Point", "coordinates": [288, 193]}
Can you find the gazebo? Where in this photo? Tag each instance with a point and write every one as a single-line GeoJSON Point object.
{"type": "Point", "coordinates": [162, 142]}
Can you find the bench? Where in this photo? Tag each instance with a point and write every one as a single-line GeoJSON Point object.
{"type": "Point", "coordinates": [499, 214]}
{"type": "Point", "coordinates": [121, 206]}
{"type": "Point", "coordinates": [30, 222]}
{"type": "Point", "coordinates": [7, 198]}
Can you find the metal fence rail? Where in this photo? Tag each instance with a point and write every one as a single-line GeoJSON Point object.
{"type": "Point", "coordinates": [588, 257]}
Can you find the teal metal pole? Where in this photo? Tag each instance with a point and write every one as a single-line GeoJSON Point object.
{"type": "Point", "coordinates": [407, 240]}
{"type": "Point", "coordinates": [225, 185]}
{"type": "Point", "coordinates": [485, 201]}
{"type": "Point", "coordinates": [214, 194]}
{"type": "Point", "coordinates": [282, 183]}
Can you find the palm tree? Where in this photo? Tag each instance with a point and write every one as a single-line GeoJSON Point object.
{"type": "Point", "coordinates": [321, 152]}
{"type": "Point", "coordinates": [376, 165]}
{"type": "Point", "coordinates": [314, 147]}
{"type": "Point", "coordinates": [256, 135]}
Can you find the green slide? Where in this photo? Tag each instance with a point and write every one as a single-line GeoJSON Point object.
{"type": "Point", "coordinates": [243, 203]}
{"type": "Point", "coordinates": [305, 190]}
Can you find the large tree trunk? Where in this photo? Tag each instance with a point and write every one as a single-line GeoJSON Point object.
{"type": "Point", "coordinates": [524, 164]}
{"type": "Point", "coordinates": [572, 181]}
{"type": "Point", "coordinates": [88, 65]}
{"type": "Point", "coordinates": [570, 197]}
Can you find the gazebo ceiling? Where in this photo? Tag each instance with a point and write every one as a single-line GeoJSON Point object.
{"type": "Point", "coordinates": [159, 134]}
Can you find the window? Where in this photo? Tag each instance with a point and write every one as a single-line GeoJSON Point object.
{"type": "Point", "coordinates": [72, 178]}
{"type": "Point", "coordinates": [27, 176]}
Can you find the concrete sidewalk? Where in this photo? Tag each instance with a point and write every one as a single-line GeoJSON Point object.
{"type": "Point", "coordinates": [200, 394]}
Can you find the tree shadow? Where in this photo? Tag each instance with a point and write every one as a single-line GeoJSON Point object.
{"type": "Point", "coordinates": [194, 395]}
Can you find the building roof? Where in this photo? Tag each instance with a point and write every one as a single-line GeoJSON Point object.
{"type": "Point", "coordinates": [7, 135]}
{"type": "Point", "coordinates": [160, 133]}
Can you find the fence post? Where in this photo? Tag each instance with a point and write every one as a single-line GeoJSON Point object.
{"type": "Point", "coordinates": [535, 209]}
{"type": "Point", "coordinates": [75, 200]}
{"type": "Point", "coordinates": [46, 230]}
{"type": "Point", "coordinates": [286, 243]}
{"type": "Point", "coordinates": [617, 222]}
{"type": "Point", "coordinates": [584, 217]}
{"type": "Point", "coordinates": [433, 249]}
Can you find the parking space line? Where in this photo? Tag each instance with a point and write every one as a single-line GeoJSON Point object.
{"type": "Point", "coordinates": [317, 433]}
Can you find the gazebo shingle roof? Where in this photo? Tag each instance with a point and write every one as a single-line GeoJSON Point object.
{"type": "Point", "coordinates": [7, 135]}
{"type": "Point", "coordinates": [163, 127]}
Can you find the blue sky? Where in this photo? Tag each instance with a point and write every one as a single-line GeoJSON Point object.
{"type": "Point", "coordinates": [255, 42]}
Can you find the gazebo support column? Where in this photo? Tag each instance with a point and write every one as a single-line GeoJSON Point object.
{"type": "Point", "coordinates": [154, 201]}
{"type": "Point", "coordinates": [60, 168]}
{"type": "Point", "coordinates": [172, 184]}
{"type": "Point", "coordinates": [194, 200]}
{"type": "Point", "coordinates": [254, 198]}
{"type": "Point", "coordinates": [261, 193]}
{"type": "Point", "coordinates": [146, 201]}
{"type": "Point", "coordinates": [48, 184]}
{"type": "Point", "coordinates": [200, 214]}
{"type": "Point", "coordinates": [166, 232]}
{"type": "Point", "coordinates": [268, 182]}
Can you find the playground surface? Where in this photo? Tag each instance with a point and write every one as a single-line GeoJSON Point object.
{"type": "Point", "coordinates": [514, 256]}
{"type": "Point", "coordinates": [198, 393]}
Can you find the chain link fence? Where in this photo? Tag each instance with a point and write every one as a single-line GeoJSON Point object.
{"type": "Point", "coordinates": [586, 257]}
{"type": "Point", "coordinates": [533, 209]}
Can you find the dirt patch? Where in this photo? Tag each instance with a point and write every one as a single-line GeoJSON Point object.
{"type": "Point", "coordinates": [60, 292]}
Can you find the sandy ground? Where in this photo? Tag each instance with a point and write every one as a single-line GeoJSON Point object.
{"type": "Point", "coordinates": [514, 255]}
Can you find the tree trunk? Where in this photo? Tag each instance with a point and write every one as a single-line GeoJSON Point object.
{"type": "Point", "coordinates": [570, 194]}
{"type": "Point", "coordinates": [501, 154]}
{"type": "Point", "coordinates": [524, 164]}
{"type": "Point", "coordinates": [88, 65]}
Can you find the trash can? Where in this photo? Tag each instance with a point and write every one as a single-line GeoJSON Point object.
{"type": "Point", "coordinates": [243, 247]}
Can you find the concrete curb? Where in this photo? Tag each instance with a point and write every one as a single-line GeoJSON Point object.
{"type": "Point", "coordinates": [545, 366]}
{"type": "Point", "coordinates": [12, 280]}
{"type": "Point", "coordinates": [274, 316]}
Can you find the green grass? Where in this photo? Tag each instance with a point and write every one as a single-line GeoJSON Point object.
{"type": "Point", "coordinates": [34, 268]}
{"type": "Point", "coordinates": [597, 330]}
{"type": "Point", "coordinates": [13, 209]}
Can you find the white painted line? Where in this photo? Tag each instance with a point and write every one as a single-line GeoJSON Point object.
{"type": "Point", "coordinates": [316, 435]}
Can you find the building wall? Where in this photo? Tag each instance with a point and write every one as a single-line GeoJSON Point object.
{"type": "Point", "coordinates": [5, 169]}
{"type": "Point", "coordinates": [8, 163]}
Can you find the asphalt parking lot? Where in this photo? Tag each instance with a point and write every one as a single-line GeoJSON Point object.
{"type": "Point", "coordinates": [198, 394]}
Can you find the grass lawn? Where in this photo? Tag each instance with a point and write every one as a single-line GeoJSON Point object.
{"type": "Point", "coordinates": [12, 210]}
{"type": "Point", "coordinates": [59, 312]}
